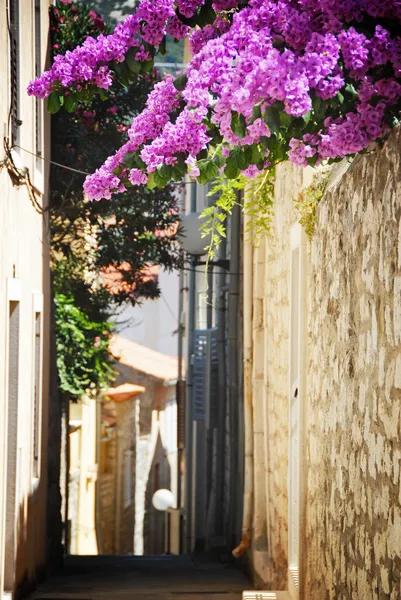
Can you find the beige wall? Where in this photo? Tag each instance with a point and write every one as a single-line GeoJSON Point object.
{"type": "Point", "coordinates": [23, 275]}
{"type": "Point", "coordinates": [353, 536]}
{"type": "Point", "coordinates": [350, 349]}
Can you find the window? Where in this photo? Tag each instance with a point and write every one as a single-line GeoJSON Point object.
{"type": "Point", "coordinates": [13, 15]}
{"type": "Point", "coordinates": [127, 478]}
{"type": "Point", "coordinates": [37, 392]}
{"type": "Point", "coordinates": [38, 70]}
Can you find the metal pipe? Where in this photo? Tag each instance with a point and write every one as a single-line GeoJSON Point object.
{"type": "Point", "coordinates": [222, 387]}
{"type": "Point", "coordinates": [248, 408]}
{"type": "Point", "coordinates": [180, 350]}
{"type": "Point", "coordinates": [236, 463]}
{"type": "Point", "coordinates": [188, 408]}
{"type": "Point", "coordinates": [189, 500]}
{"type": "Point", "coordinates": [97, 497]}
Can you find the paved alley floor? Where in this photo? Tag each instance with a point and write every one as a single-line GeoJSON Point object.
{"type": "Point", "coordinates": [143, 578]}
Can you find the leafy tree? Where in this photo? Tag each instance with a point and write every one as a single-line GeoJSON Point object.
{"type": "Point", "coordinates": [101, 251]}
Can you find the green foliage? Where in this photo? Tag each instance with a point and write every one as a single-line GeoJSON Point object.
{"type": "Point", "coordinates": [260, 203]}
{"type": "Point", "coordinates": [215, 217]}
{"type": "Point", "coordinates": [307, 201]}
{"type": "Point", "coordinates": [258, 206]}
{"type": "Point", "coordinates": [124, 235]}
{"type": "Point", "coordinates": [83, 330]}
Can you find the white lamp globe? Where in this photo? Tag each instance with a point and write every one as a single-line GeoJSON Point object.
{"type": "Point", "coordinates": [190, 235]}
{"type": "Point", "coordinates": [163, 500]}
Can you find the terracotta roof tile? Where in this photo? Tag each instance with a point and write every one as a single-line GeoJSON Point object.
{"type": "Point", "coordinates": [143, 359]}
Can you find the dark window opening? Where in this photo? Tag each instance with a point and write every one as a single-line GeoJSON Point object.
{"type": "Point", "coordinates": [14, 70]}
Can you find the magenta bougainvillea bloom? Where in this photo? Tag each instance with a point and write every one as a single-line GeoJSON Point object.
{"type": "Point", "coordinates": [269, 80]}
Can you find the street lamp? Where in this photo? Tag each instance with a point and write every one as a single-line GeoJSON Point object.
{"type": "Point", "coordinates": [194, 243]}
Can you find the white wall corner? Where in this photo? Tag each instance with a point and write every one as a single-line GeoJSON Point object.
{"type": "Point", "coordinates": [14, 289]}
{"type": "Point", "coordinates": [38, 303]}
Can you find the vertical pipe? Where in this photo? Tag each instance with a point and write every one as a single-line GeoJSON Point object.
{"type": "Point", "coordinates": [97, 498]}
{"type": "Point", "coordinates": [248, 408]}
{"type": "Point", "coordinates": [188, 408]}
{"type": "Point", "coordinates": [222, 406]}
{"type": "Point", "coordinates": [236, 466]}
{"type": "Point", "coordinates": [209, 307]}
{"type": "Point", "coordinates": [117, 538]}
{"type": "Point", "coordinates": [189, 500]}
{"type": "Point", "coordinates": [179, 378]}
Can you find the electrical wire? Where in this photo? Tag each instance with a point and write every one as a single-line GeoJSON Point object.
{"type": "Point", "coordinates": [168, 306]}
{"type": "Point", "coordinates": [175, 183]}
{"type": "Point", "coordinates": [51, 161]}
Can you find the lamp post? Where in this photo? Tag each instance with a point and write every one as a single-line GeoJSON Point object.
{"type": "Point", "coordinates": [193, 244]}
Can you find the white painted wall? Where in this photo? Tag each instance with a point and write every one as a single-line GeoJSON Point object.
{"type": "Point", "coordinates": [24, 278]}
{"type": "Point", "coordinates": [154, 323]}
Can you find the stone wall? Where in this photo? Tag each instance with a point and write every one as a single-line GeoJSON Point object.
{"type": "Point", "coordinates": [351, 523]}
{"type": "Point", "coordinates": [353, 537]}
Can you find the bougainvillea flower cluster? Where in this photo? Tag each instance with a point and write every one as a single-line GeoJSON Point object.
{"type": "Point", "coordinates": [269, 80]}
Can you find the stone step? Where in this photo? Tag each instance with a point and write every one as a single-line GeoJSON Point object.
{"type": "Point", "coordinates": [262, 595]}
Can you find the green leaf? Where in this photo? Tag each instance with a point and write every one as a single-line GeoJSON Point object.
{"type": "Point", "coordinates": [202, 154]}
{"type": "Point", "coordinates": [147, 66]}
{"type": "Point", "coordinates": [164, 171]}
{"type": "Point", "coordinates": [206, 16]}
{"type": "Point", "coordinates": [256, 155]}
{"type": "Point", "coordinates": [351, 91]}
{"type": "Point", "coordinates": [151, 181]}
{"type": "Point", "coordinates": [133, 65]}
{"type": "Point", "coordinates": [53, 103]}
{"type": "Point", "coordinates": [163, 175]}
{"type": "Point", "coordinates": [238, 159]}
{"type": "Point", "coordinates": [318, 108]}
{"type": "Point", "coordinates": [180, 82]}
{"type": "Point", "coordinates": [130, 160]}
{"type": "Point", "coordinates": [123, 72]}
{"type": "Point", "coordinates": [256, 114]}
{"type": "Point", "coordinates": [103, 94]}
{"type": "Point", "coordinates": [70, 103]}
{"type": "Point", "coordinates": [231, 171]}
{"type": "Point", "coordinates": [340, 97]}
{"type": "Point", "coordinates": [238, 124]}
{"type": "Point", "coordinates": [272, 119]}
{"type": "Point", "coordinates": [208, 170]}
{"type": "Point", "coordinates": [162, 47]}
{"type": "Point", "coordinates": [285, 120]}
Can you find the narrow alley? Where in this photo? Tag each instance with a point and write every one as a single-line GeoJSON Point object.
{"type": "Point", "coordinates": [142, 578]}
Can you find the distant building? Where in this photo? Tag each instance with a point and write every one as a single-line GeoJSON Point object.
{"type": "Point", "coordinates": [155, 451]}
{"type": "Point", "coordinates": [24, 301]}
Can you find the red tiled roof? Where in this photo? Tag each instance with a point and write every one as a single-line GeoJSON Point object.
{"type": "Point", "coordinates": [124, 392]}
{"type": "Point", "coordinates": [143, 359]}
{"type": "Point", "coordinates": [112, 278]}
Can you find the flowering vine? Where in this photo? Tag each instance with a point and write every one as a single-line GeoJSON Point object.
{"type": "Point", "coordinates": [270, 80]}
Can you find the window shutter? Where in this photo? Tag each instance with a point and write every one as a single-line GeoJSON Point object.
{"type": "Point", "coordinates": [14, 70]}
{"type": "Point", "coordinates": [205, 375]}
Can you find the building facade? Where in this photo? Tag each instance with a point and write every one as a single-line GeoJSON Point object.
{"type": "Point", "coordinates": [24, 299]}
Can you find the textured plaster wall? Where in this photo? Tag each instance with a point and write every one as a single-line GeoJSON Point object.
{"type": "Point", "coordinates": [353, 536]}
